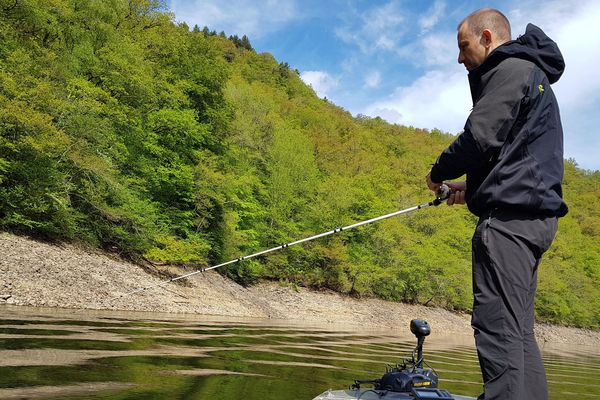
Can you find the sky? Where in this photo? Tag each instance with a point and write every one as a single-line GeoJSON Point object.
{"type": "Point", "coordinates": [397, 59]}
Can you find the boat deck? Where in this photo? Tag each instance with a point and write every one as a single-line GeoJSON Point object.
{"type": "Point", "coordinates": [370, 394]}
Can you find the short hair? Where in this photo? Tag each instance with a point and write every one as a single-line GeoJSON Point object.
{"type": "Point", "coordinates": [488, 18]}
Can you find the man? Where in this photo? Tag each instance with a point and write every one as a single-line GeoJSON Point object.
{"type": "Point", "coordinates": [512, 153]}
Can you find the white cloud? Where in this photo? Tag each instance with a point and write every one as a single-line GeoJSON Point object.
{"type": "Point", "coordinates": [373, 79]}
{"type": "Point", "coordinates": [432, 49]}
{"type": "Point", "coordinates": [321, 82]}
{"type": "Point", "coordinates": [438, 99]}
{"type": "Point", "coordinates": [571, 24]}
{"type": "Point", "coordinates": [439, 48]}
{"type": "Point", "coordinates": [580, 84]}
{"type": "Point", "coordinates": [432, 16]}
{"type": "Point", "coordinates": [389, 114]}
{"type": "Point", "coordinates": [241, 17]}
{"type": "Point", "coordinates": [578, 91]}
{"type": "Point", "coordinates": [381, 19]}
{"type": "Point", "coordinates": [377, 29]}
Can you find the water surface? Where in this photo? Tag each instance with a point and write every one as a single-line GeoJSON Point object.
{"type": "Point", "coordinates": [51, 354]}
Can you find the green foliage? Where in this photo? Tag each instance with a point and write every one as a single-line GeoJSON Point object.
{"type": "Point", "coordinates": [124, 129]}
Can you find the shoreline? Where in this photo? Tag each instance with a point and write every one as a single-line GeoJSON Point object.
{"type": "Point", "coordinates": [39, 274]}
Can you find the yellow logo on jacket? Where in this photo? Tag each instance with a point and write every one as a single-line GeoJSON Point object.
{"type": "Point", "coordinates": [541, 88]}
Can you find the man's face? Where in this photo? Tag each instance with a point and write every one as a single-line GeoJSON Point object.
{"type": "Point", "coordinates": [472, 50]}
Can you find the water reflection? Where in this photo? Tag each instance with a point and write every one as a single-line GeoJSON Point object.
{"type": "Point", "coordinates": [106, 355]}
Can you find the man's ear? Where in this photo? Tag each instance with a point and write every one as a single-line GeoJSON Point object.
{"type": "Point", "coordinates": [486, 37]}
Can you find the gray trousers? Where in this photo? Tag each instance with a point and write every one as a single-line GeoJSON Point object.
{"type": "Point", "coordinates": [507, 248]}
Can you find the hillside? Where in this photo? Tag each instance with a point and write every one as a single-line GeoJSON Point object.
{"type": "Point", "coordinates": [39, 274]}
{"type": "Point", "coordinates": [169, 145]}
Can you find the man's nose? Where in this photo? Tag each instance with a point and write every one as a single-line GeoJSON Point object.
{"type": "Point", "coordinates": [460, 58]}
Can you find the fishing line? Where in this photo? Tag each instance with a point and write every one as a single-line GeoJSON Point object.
{"type": "Point", "coordinates": [441, 195]}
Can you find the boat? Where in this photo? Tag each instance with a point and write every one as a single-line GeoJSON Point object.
{"type": "Point", "coordinates": [406, 381]}
{"type": "Point", "coordinates": [371, 394]}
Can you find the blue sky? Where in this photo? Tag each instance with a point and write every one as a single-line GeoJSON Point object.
{"type": "Point", "coordinates": [397, 58]}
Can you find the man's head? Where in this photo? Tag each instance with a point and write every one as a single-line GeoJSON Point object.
{"type": "Point", "coordinates": [480, 33]}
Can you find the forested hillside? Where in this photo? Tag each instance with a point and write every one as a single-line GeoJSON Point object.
{"type": "Point", "coordinates": [173, 144]}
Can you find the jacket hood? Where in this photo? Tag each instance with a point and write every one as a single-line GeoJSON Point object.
{"type": "Point", "coordinates": [535, 46]}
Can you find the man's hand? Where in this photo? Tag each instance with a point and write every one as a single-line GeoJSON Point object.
{"type": "Point", "coordinates": [434, 187]}
{"type": "Point", "coordinates": [457, 192]}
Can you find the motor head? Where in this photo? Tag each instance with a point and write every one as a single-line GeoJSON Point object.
{"type": "Point", "coordinates": [420, 328]}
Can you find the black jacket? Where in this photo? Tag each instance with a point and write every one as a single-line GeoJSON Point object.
{"type": "Point", "coordinates": [512, 145]}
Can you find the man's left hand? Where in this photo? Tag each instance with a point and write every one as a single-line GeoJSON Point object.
{"type": "Point", "coordinates": [434, 187]}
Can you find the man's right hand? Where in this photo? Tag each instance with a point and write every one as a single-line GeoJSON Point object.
{"type": "Point", "coordinates": [457, 194]}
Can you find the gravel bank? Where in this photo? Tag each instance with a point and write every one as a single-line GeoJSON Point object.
{"type": "Point", "coordinates": [34, 273]}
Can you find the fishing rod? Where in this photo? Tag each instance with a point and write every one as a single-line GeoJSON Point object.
{"type": "Point", "coordinates": [442, 194]}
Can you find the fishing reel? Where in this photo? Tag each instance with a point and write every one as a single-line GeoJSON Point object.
{"type": "Point", "coordinates": [410, 377]}
{"type": "Point", "coordinates": [442, 194]}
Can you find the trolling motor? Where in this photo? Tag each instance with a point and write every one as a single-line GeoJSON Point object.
{"type": "Point", "coordinates": [403, 378]}
{"type": "Point", "coordinates": [410, 377]}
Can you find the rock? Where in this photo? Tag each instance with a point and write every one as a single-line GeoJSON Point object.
{"type": "Point", "coordinates": [5, 296]}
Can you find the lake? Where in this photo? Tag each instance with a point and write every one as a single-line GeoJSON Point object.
{"type": "Point", "coordinates": [78, 354]}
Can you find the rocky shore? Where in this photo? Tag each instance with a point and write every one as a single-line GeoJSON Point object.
{"type": "Point", "coordinates": [34, 273]}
